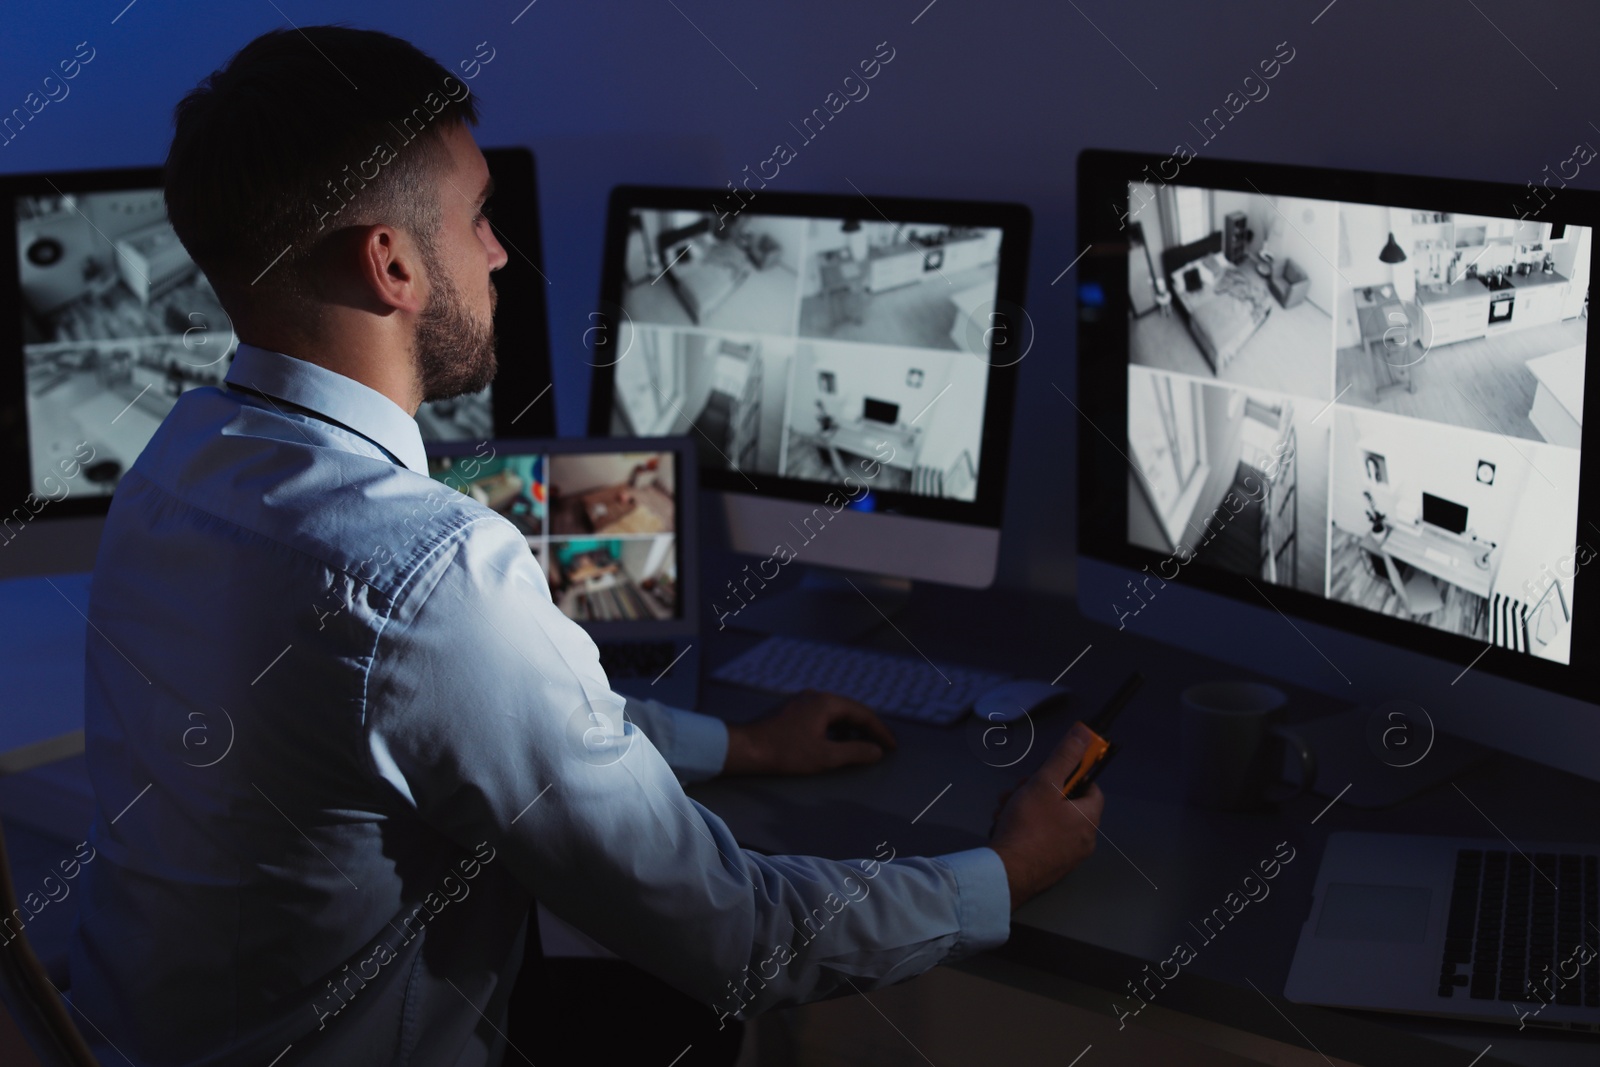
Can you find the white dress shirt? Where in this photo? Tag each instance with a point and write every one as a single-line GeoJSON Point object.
{"type": "Point", "coordinates": [340, 736]}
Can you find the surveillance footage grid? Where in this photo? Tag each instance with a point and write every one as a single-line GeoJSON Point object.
{"type": "Point", "coordinates": [601, 525]}
{"type": "Point", "coordinates": [809, 348]}
{"type": "Point", "coordinates": [118, 322]}
{"type": "Point", "coordinates": [1308, 404]}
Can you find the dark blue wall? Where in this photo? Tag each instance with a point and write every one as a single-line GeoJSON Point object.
{"type": "Point", "coordinates": [988, 100]}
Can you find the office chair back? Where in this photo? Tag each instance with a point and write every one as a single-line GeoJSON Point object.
{"type": "Point", "coordinates": [27, 993]}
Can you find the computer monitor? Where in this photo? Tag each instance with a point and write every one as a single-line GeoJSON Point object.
{"type": "Point", "coordinates": [845, 363]}
{"type": "Point", "coordinates": [107, 321]}
{"type": "Point", "coordinates": [1277, 467]}
{"type": "Point", "coordinates": [603, 518]}
{"type": "Point", "coordinates": [880, 411]}
{"type": "Point", "coordinates": [612, 525]}
{"type": "Point", "coordinates": [1444, 514]}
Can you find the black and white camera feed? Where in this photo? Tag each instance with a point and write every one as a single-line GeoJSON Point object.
{"type": "Point", "coordinates": [117, 323]}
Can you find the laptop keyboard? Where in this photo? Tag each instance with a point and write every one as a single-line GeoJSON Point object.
{"type": "Point", "coordinates": [1524, 928]}
{"type": "Point", "coordinates": [636, 659]}
{"type": "Point", "coordinates": [902, 687]}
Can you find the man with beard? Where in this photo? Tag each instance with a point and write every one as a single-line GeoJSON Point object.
{"type": "Point", "coordinates": [398, 720]}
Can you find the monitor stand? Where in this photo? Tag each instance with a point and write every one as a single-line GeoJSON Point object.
{"type": "Point", "coordinates": [826, 605]}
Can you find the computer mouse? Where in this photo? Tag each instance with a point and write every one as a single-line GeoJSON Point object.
{"type": "Point", "coordinates": [1013, 700]}
{"type": "Point", "coordinates": [842, 730]}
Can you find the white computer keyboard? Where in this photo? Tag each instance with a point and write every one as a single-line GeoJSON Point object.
{"type": "Point", "coordinates": [901, 687]}
{"type": "Point", "coordinates": [1438, 555]}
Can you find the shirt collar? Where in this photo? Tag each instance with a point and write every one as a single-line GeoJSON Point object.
{"type": "Point", "coordinates": [334, 396]}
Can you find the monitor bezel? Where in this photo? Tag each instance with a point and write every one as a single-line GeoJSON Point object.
{"type": "Point", "coordinates": [521, 327]}
{"type": "Point", "coordinates": [687, 490]}
{"type": "Point", "coordinates": [1103, 359]}
{"type": "Point", "coordinates": [1016, 220]}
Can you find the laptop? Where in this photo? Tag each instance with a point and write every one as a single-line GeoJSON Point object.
{"type": "Point", "coordinates": [1476, 928]}
{"type": "Point", "coordinates": [611, 522]}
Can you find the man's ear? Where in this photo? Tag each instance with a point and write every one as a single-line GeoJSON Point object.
{"type": "Point", "coordinates": [391, 268]}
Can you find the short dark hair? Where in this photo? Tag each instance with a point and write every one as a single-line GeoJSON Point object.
{"type": "Point", "coordinates": [276, 151]}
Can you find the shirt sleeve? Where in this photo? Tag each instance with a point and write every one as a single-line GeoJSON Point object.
{"type": "Point", "coordinates": [694, 745]}
{"type": "Point", "coordinates": [488, 712]}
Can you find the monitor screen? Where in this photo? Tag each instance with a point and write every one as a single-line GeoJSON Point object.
{"type": "Point", "coordinates": [1445, 514]}
{"type": "Point", "coordinates": [1328, 391]}
{"type": "Point", "coordinates": [880, 411]}
{"type": "Point", "coordinates": [808, 342]}
{"type": "Point", "coordinates": [1356, 397]}
{"type": "Point", "coordinates": [119, 322]}
{"type": "Point", "coordinates": [766, 334]}
{"type": "Point", "coordinates": [112, 322]}
{"type": "Point", "coordinates": [602, 525]}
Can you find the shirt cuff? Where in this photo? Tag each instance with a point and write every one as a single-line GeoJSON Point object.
{"type": "Point", "coordinates": [695, 746]}
{"type": "Point", "coordinates": [983, 901]}
{"type": "Point", "coordinates": [701, 746]}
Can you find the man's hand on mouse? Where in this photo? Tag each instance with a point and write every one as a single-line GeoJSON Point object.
{"type": "Point", "coordinates": [794, 739]}
{"type": "Point", "coordinates": [1041, 835]}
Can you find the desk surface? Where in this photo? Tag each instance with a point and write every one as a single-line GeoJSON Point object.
{"type": "Point", "coordinates": [1160, 865]}
{"type": "Point", "coordinates": [863, 437]}
{"type": "Point", "coordinates": [1410, 544]}
{"type": "Point", "coordinates": [1373, 318]}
